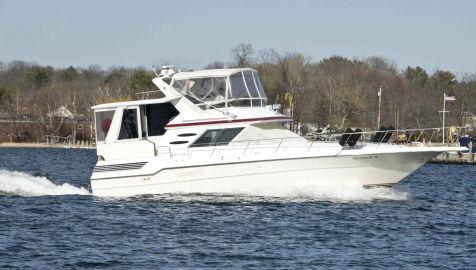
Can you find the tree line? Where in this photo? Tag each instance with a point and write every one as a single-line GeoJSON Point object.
{"type": "Point", "coordinates": [343, 92]}
{"type": "Point", "coordinates": [334, 91]}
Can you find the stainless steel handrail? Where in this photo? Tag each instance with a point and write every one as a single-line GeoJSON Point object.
{"type": "Point", "coordinates": [246, 145]}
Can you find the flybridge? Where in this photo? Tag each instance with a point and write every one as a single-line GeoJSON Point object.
{"type": "Point", "coordinates": [221, 87]}
{"type": "Point", "coordinates": [206, 89]}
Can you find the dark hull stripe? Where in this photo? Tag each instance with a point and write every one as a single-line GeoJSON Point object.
{"type": "Point", "coordinates": [229, 121]}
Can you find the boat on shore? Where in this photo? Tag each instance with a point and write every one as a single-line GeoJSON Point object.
{"type": "Point", "coordinates": [214, 133]}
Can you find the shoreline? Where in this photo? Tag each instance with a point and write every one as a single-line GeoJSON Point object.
{"type": "Point", "coordinates": [40, 145]}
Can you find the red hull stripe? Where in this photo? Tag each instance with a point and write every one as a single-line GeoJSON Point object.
{"type": "Point", "coordinates": [229, 121]}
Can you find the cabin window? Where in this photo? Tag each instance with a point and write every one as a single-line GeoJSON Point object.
{"type": "Point", "coordinates": [250, 83]}
{"type": "Point", "coordinates": [238, 88]}
{"type": "Point", "coordinates": [103, 123]}
{"type": "Point", "coordinates": [259, 85]}
{"type": "Point", "coordinates": [217, 137]}
{"type": "Point", "coordinates": [158, 116]}
{"type": "Point", "coordinates": [129, 125]}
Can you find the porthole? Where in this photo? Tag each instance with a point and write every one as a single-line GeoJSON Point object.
{"type": "Point", "coordinates": [187, 134]}
{"type": "Point", "coordinates": [178, 142]}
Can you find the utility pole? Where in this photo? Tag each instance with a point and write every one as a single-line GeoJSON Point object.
{"type": "Point", "coordinates": [379, 106]}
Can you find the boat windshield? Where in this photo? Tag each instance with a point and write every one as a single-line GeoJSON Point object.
{"type": "Point", "coordinates": [200, 90]}
{"type": "Point", "coordinates": [242, 88]}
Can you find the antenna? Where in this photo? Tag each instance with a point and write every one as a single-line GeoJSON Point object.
{"type": "Point", "coordinates": [155, 71]}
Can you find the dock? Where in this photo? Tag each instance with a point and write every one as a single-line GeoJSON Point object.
{"type": "Point", "coordinates": [455, 158]}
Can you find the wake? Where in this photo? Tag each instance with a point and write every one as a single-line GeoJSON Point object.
{"type": "Point", "coordinates": [335, 193]}
{"type": "Point", "coordinates": [343, 193]}
{"type": "Point", "coordinates": [23, 184]}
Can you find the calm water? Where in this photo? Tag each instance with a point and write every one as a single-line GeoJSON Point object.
{"type": "Point", "coordinates": [48, 220]}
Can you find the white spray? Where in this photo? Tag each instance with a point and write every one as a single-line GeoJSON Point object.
{"type": "Point", "coordinates": [24, 184]}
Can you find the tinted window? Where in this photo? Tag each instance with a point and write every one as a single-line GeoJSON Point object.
{"type": "Point", "coordinates": [238, 88]}
{"type": "Point", "coordinates": [227, 135]}
{"type": "Point", "coordinates": [217, 137]}
{"type": "Point", "coordinates": [158, 116]}
{"type": "Point", "coordinates": [207, 138]}
{"type": "Point", "coordinates": [129, 128]}
{"type": "Point", "coordinates": [250, 82]}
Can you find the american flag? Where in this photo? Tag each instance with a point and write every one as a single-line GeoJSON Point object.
{"type": "Point", "coordinates": [449, 98]}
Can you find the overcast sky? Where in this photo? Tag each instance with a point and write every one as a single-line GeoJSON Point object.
{"type": "Point", "coordinates": [432, 34]}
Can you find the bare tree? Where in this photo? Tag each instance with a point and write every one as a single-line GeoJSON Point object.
{"type": "Point", "coordinates": [215, 65]}
{"type": "Point", "coordinates": [243, 55]}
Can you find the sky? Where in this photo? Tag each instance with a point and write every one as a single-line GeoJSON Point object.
{"type": "Point", "coordinates": [432, 34]}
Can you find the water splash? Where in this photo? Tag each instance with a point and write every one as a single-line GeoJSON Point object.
{"type": "Point", "coordinates": [23, 184]}
{"type": "Point", "coordinates": [344, 193]}
{"type": "Point", "coordinates": [335, 193]}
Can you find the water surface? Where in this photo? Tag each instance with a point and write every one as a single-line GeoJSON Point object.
{"type": "Point", "coordinates": [48, 220]}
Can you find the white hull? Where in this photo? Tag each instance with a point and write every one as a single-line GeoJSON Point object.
{"type": "Point", "coordinates": [260, 175]}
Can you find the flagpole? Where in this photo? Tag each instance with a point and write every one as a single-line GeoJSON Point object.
{"type": "Point", "coordinates": [379, 106]}
{"type": "Point", "coordinates": [444, 111]}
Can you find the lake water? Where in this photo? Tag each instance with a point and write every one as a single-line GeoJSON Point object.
{"type": "Point", "coordinates": [49, 220]}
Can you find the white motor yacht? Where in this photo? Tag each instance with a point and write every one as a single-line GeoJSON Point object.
{"type": "Point", "coordinates": [214, 133]}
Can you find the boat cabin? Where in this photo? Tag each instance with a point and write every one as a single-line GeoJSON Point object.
{"type": "Point", "coordinates": [200, 108]}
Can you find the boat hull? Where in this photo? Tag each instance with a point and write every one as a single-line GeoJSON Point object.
{"type": "Point", "coordinates": [257, 176]}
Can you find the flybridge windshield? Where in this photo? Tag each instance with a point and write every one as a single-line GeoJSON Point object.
{"type": "Point", "coordinates": [203, 89]}
{"type": "Point", "coordinates": [242, 88]}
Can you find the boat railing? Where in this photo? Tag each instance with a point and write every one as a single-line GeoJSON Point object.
{"type": "Point", "coordinates": [147, 94]}
{"type": "Point", "coordinates": [412, 137]}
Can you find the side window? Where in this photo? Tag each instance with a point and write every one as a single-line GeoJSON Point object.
{"type": "Point", "coordinates": [207, 138]}
{"type": "Point", "coordinates": [250, 82]}
{"type": "Point", "coordinates": [158, 116]}
{"type": "Point", "coordinates": [129, 127]}
{"type": "Point", "coordinates": [227, 135]}
{"type": "Point", "coordinates": [259, 85]}
{"type": "Point", "coordinates": [103, 123]}
{"type": "Point", "coordinates": [217, 137]}
{"type": "Point", "coordinates": [238, 88]}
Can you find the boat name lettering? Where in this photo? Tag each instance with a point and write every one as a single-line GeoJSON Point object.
{"type": "Point", "coordinates": [365, 157]}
